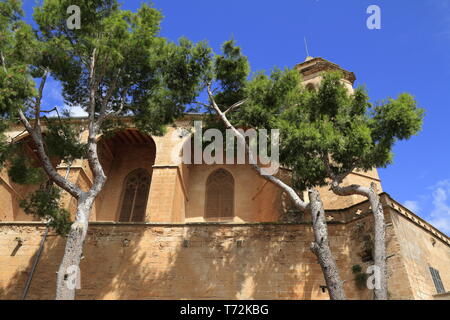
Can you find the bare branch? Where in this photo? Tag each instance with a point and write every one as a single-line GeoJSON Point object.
{"type": "Point", "coordinates": [36, 135]}
{"type": "Point", "coordinates": [234, 106]}
{"type": "Point", "coordinates": [379, 228]}
{"type": "Point", "coordinates": [3, 61]}
{"type": "Point", "coordinates": [92, 86]}
{"type": "Point", "coordinates": [289, 190]}
{"type": "Point", "coordinates": [109, 94]}
{"type": "Point", "coordinates": [116, 113]}
{"type": "Point", "coordinates": [349, 190]}
{"type": "Point", "coordinates": [337, 179]}
{"type": "Point", "coordinates": [203, 104]}
{"type": "Point", "coordinates": [57, 113]}
{"type": "Point", "coordinates": [92, 155]}
{"type": "Point", "coordinates": [321, 246]}
{"type": "Point", "coordinates": [37, 106]}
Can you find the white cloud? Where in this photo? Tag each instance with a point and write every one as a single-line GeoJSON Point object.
{"type": "Point", "coordinates": [412, 205]}
{"type": "Point", "coordinates": [76, 112]}
{"type": "Point", "coordinates": [434, 207]}
{"type": "Point", "coordinates": [440, 215]}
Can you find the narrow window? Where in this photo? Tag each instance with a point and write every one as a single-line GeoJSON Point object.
{"type": "Point", "coordinates": [135, 196]}
{"type": "Point", "coordinates": [219, 195]}
{"type": "Point", "coordinates": [437, 280]}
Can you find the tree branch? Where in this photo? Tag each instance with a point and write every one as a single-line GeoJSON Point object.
{"type": "Point", "coordinates": [92, 86]}
{"type": "Point", "coordinates": [74, 47]}
{"type": "Point", "coordinates": [36, 135]}
{"type": "Point", "coordinates": [203, 104]}
{"type": "Point", "coordinates": [290, 191]}
{"type": "Point", "coordinates": [113, 114]}
{"type": "Point", "coordinates": [349, 190]}
{"type": "Point", "coordinates": [320, 246]}
{"type": "Point", "coordinates": [92, 155]}
{"type": "Point", "coordinates": [37, 106]}
{"type": "Point", "coordinates": [3, 61]}
{"type": "Point", "coordinates": [109, 94]}
{"type": "Point", "coordinates": [371, 194]}
{"type": "Point", "coordinates": [234, 106]}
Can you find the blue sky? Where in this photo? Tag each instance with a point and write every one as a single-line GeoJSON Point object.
{"type": "Point", "coordinates": [411, 52]}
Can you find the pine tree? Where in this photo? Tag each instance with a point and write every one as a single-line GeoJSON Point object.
{"type": "Point", "coordinates": [114, 64]}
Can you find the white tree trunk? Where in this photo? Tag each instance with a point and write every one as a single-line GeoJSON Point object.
{"type": "Point", "coordinates": [69, 270]}
{"type": "Point", "coordinates": [69, 278]}
{"type": "Point", "coordinates": [379, 255]}
{"type": "Point", "coordinates": [321, 248]}
{"type": "Point", "coordinates": [380, 290]}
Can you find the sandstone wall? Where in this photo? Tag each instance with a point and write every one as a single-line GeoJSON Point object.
{"type": "Point", "coordinates": [197, 261]}
{"type": "Point", "coordinates": [420, 250]}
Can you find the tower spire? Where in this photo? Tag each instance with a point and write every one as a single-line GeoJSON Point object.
{"type": "Point", "coordinates": [308, 57]}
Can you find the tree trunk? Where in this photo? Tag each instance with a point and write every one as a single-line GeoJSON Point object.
{"type": "Point", "coordinates": [321, 248]}
{"type": "Point", "coordinates": [68, 278]}
{"type": "Point", "coordinates": [380, 288]}
{"type": "Point", "coordinates": [379, 255]}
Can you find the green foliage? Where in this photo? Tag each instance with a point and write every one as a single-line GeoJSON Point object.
{"type": "Point", "coordinates": [315, 125]}
{"type": "Point", "coordinates": [155, 78]}
{"type": "Point", "coordinates": [22, 171]}
{"type": "Point", "coordinates": [17, 48]}
{"type": "Point", "coordinates": [179, 82]}
{"type": "Point", "coordinates": [231, 69]}
{"type": "Point", "coordinates": [142, 74]}
{"type": "Point", "coordinates": [344, 127]}
{"type": "Point", "coordinates": [62, 141]}
{"type": "Point", "coordinates": [137, 73]}
{"type": "Point", "coordinates": [44, 203]}
{"type": "Point", "coordinates": [136, 70]}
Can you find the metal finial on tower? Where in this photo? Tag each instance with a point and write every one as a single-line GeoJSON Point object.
{"type": "Point", "coordinates": [308, 57]}
{"type": "Point", "coordinates": [306, 47]}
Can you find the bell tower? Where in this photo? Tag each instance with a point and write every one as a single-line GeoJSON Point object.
{"type": "Point", "coordinates": [312, 71]}
{"type": "Point", "coordinates": [312, 68]}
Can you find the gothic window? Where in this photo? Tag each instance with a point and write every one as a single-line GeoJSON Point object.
{"type": "Point", "coordinates": [135, 196]}
{"type": "Point", "coordinates": [219, 195]}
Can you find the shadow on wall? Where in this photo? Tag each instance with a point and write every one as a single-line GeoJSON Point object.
{"type": "Point", "coordinates": [16, 262]}
{"type": "Point", "coordinates": [196, 261]}
{"type": "Point", "coordinates": [212, 262]}
{"type": "Point", "coordinates": [176, 262]}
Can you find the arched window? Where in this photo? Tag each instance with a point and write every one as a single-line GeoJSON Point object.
{"type": "Point", "coordinates": [310, 87]}
{"type": "Point", "coordinates": [135, 196]}
{"type": "Point", "coordinates": [219, 195]}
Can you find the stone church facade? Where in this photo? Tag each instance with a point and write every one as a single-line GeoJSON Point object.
{"type": "Point", "coordinates": [161, 229]}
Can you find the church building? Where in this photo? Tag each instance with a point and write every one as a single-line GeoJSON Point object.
{"type": "Point", "coordinates": [164, 229]}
